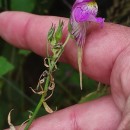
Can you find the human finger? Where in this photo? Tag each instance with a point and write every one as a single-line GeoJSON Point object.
{"type": "Point", "coordinates": [101, 114]}
{"type": "Point", "coordinates": [103, 45]}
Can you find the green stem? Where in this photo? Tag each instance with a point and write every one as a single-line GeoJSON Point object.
{"type": "Point", "coordinates": [35, 113]}
{"type": "Point", "coordinates": [38, 106]}
{"type": "Point", "coordinates": [46, 86]}
{"type": "Point", "coordinates": [60, 52]}
{"type": "Point", "coordinates": [67, 39]}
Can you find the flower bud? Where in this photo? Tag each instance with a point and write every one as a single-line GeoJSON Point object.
{"type": "Point", "coordinates": [51, 33]}
{"type": "Point", "coordinates": [58, 34]}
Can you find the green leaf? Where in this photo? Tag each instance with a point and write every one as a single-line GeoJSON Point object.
{"type": "Point", "coordinates": [96, 94]}
{"type": "Point", "coordinates": [23, 5]}
{"type": "Point", "coordinates": [5, 66]}
{"type": "Point", "coordinates": [24, 52]}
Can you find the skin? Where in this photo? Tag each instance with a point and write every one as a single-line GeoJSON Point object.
{"type": "Point", "coordinates": [106, 59]}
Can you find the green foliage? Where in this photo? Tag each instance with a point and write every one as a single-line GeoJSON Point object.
{"type": "Point", "coordinates": [24, 52]}
{"type": "Point", "coordinates": [23, 5]}
{"type": "Point", "coordinates": [119, 12]}
{"type": "Point", "coordinates": [5, 66]}
{"type": "Point", "coordinates": [102, 91]}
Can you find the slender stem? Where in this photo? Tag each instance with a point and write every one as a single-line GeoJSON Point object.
{"type": "Point", "coordinates": [67, 39]}
{"type": "Point", "coordinates": [38, 107]}
{"type": "Point", "coordinates": [46, 86]}
{"type": "Point", "coordinates": [35, 113]}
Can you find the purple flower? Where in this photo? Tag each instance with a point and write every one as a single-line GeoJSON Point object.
{"type": "Point", "coordinates": [83, 12]}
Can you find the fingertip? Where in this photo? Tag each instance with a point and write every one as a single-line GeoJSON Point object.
{"type": "Point", "coordinates": [27, 31]}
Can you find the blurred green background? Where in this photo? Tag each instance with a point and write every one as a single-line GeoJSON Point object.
{"type": "Point", "coordinates": [20, 69]}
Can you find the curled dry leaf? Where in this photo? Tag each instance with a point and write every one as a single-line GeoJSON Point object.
{"type": "Point", "coordinates": [49, 96]}
{"type": "Point", "coordinates": [52, 86]}
{"type": "Point", "coordinates": [47, 108]}
{"type": "Point", "coordinates": [52, 83]}
{"type": "Point", "coordinates": [39, 93]}
{"type": "Point", "coordinates": [9, 121]}
{"type": "Point", "coordinates": [30, 115]}
{"type": "Point", "coordinates": [45, 62]}
{"type": "Point", "coordinates": [42, 80]}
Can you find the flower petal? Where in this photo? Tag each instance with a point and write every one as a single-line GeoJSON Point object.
{"type": "Point", "coordinates": [79, 1]}
{"type": "Point", "coordinates": [82, 11]}
{"type": "Point", "coordinates": [80, 15]}
{"type": "Point", "coordinates": [100, 20]}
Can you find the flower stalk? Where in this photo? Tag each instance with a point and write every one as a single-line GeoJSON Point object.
{"type": "Point", "coordinates": [83, 13]}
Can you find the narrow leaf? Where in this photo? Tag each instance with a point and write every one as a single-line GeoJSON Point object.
{"type": "Point", "coordinates": [23, 5]}
{"type": "Point", "coordinates": [5, 66]}
{"type": "Point", "coordinates": [24, 52]}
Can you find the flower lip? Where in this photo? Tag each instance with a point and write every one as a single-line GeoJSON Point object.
{"type": "Point", "coordinates": [84, 11]}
